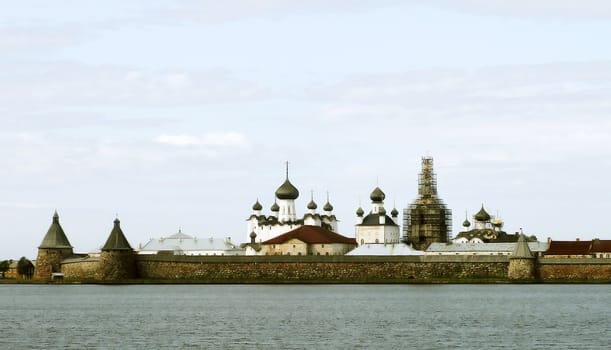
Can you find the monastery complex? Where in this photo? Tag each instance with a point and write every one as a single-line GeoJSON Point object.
{"type": "Point", "coordinates": [283, 244]}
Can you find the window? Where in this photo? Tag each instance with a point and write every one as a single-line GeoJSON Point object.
{"type": "Point", "coordinates": [323, 246]}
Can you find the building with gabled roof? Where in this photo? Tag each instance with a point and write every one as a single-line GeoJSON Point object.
{"type": "Point", "coordinates": [569, 249]}
{"type": "Point", "coordinates": [601, 248]}
{"type": "Point", "coordinates": [305, 240]}
{"type": "Point", "coordinates": [183, 244]}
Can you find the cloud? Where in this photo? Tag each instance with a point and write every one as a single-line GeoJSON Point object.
{"type": "Point", "coordinates": [215, 139]}
{"type": "Point", "coordinates": [55, 84]}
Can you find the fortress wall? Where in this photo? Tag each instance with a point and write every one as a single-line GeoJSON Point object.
{"type": "Point", "coordinates": [314, 269]}
{"type": "Point", "coordinates": [84, 269]}
{"type": "Point", "coordinates": [574, 269]}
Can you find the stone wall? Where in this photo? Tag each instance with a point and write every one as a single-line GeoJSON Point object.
{"type": "Point", "coordinates": [81, 269]}
{"type": "Point", "coordinates": [49, 261]}
{"type": "Point", "coordinates": [549, 269]}
{"type": "Point", "coordinates": [338, 269]}
{"type": "Point", "coordinates": [117, 265]}
{"type": "Point", "coordinates": [318, 269]}
{"type": "Point", "coordinates": [522, 268]}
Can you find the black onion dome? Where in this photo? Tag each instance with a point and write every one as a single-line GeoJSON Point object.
{"type": "Point", "coordinates": [377, 195]}
{"type": "Point", "coordinates": [466, 223]}
{"type": "Point", "coordinates": [287, 191]}
{"type": "Point", "coordinates": [328, 207]}
{"type": "Point", "coordinates": [275, 207]}
{"type": "Point", "coordinates": [382, 211]}
{"type": "Point", "coordinates": [253, 234]}
{"type": "Point", "coordinates": [257, 206]}
{"type": "Point", "coordinates": [394, 212]}
{"type": "Point", "coordinates": [360, 212]}
{"type": "Point", "coordinates": [482, 215]}
{"type": "Point", "coordinates": [312, 205]}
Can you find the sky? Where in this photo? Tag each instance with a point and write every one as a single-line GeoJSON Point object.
{"type": "Point", "coordinates": [181, 114]}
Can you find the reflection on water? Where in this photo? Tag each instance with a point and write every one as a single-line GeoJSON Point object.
{"type": "Point", "coordinates": [298, 316]}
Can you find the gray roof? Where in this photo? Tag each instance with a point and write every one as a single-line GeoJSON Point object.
{"type": "Point", "coordinates": [116, 240]}
{"type": "Point", "coordinates": [521, 249]}
{"type": "Point", "coordinates": [483, 247]}
{"type": "Point", "coordinates": [184, 243]}
{"type": "Point", "coordinates": [55, 237]}
{"type": "Point", "coordinates": [374, 220]}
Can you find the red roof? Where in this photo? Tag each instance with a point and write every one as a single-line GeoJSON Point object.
{"type": "Point", "coordinates": [311, 235]}
{"type": "Point", "coordinates": [601, 246]}
{"type": "Point", "coordinates": [569, 248]}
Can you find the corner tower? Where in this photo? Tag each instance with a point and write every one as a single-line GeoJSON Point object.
{"type": "Point", "coordinates": [427, 219]}
{"type": "Point", "coordinates": [117, 260]}
{"type": "Point", "coordinates": [54, 248]}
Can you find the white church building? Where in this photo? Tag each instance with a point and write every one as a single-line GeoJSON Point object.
{"type": "Point", "coordinates": [283, 217]}
{"type": "Point", "coordinates": [377, 227]}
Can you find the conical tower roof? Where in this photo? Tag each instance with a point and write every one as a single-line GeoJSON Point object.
{"type": "Point", "coordinates": [116, 240]}
{"type": "Point", "coordinates": [55, 237]}
{"type": "Point", "coordinates": [522, 250]}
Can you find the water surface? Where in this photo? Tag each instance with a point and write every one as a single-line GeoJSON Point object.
{"type": "Point", "coordinates": [306, 316]}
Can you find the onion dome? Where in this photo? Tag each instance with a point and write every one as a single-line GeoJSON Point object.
{"type": "Point", "coordinates": [482, 215]}
{"type": "Point", "coordinates": [394, 212]}
{"type": "Point", "coordinates": [328, 207]}
{"type": "Point", "coordinates": [382, 211]}
{"type": "Point", "coordinates": [287, 191]}
{"type": "Point", "coordinates": [497, 222]}
{"type": "Point", "coordinates": [360, 212]}
{"type": "Point", "coordinates": [466, 223]}
{"type": "Point", "coordinates": [257, 206]}
{"type": "Point", "coordinates": [253, 234]}
{"type": "Point", "coordinates": [377, 195]}
{"type": "Point", "coordinates": [275, 207]}
{"type": "Point", "coordinates": [312, 205]}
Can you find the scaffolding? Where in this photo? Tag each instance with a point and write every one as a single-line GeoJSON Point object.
{"type": "Point", "coordinates": [427, 219]}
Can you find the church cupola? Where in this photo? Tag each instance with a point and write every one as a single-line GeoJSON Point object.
{"type": "Point", "coordinates": [359, 213]}
{"type": "Point", "coordinates": [395, 215]}
{"type": "Point", "coordinates": [377, 195]}
{"type": "Point", "coordinates": [482, 219]}
{"type": "Point", "coordinates": [377, 200]}
{"type": "Point", "coordinates": [328, 208]}
{"type": "Point", "coordinates": [257, 206]}
{"type": "Point", "coordinates": [466, 224]}
{"type": "Point", "coordinates": [286, 195]}
{"type": "Point", "coordinates": [312, 206]}
{"type": "Point", "coordinates": [275, 209]}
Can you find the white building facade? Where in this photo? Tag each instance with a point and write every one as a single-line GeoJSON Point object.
{"type": "Point", "coordinates": [377, 227]}
{"type": "Point", "coordinates": [283, 217]}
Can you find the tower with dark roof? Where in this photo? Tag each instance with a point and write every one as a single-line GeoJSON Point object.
{"type": "Point", "coordinates": [54, 248]}
{"type": "Point", "coordinates": [522, 262]}
{"type": "Point", "coordinates": [427, 219]}
{"type": "Point", "coordinates": [117, 259]}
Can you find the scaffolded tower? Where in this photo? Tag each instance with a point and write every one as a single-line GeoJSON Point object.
{"type": "Point", "coordinates": [427, 219]}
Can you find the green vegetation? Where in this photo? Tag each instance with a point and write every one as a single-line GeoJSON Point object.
{"type": "Point", "coordinates": [4, 265]}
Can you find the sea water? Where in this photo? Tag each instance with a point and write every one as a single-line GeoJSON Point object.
{"type": "Point", "coordinates": [305, 316]}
